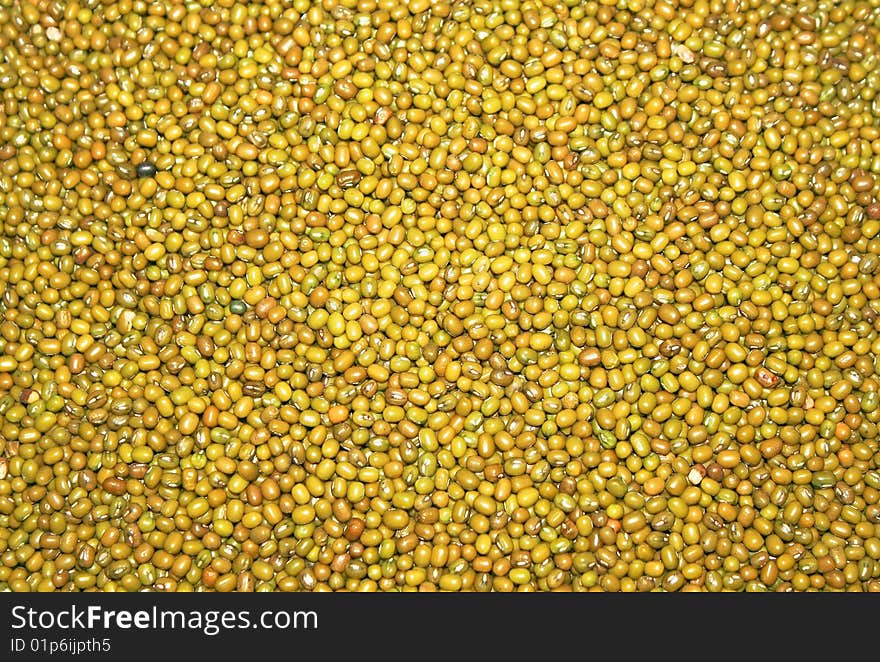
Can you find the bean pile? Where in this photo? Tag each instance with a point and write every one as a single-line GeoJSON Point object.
{"type": "Point", "coordinates": [478, 295]}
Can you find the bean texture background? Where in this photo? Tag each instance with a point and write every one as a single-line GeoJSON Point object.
{"type": "Point", "coordinates": [471, 295]}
